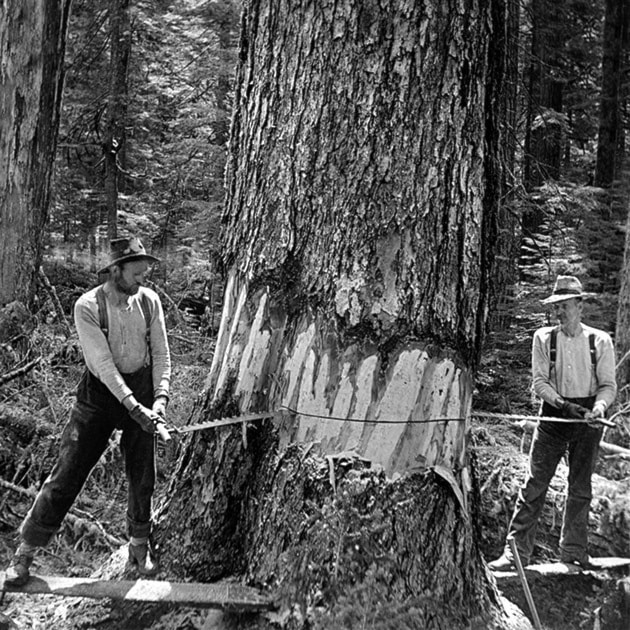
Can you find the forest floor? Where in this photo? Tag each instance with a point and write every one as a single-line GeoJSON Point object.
{"type": "Point", "coordinates": [34, 406]}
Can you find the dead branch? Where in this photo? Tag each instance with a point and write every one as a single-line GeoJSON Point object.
{"type": "Point", "coordinates": [9, 376]}
{"type": "Point", "coordinates": [168, 298]}
{"type": "Point", "coordinates": [77, 523]}
{"type": "Point", "coordinates": [55, 300]}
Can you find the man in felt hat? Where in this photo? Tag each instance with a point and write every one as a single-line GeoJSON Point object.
{"type": "Point", "coordinates": [125, 386]}
{"type": "Point", "coordinates": [573, 370]}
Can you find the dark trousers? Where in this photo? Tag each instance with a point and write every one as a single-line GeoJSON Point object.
{"type": "Point", "coordinates": [95, 415]}
{"type": "Point", "coordinates": [551, 441]}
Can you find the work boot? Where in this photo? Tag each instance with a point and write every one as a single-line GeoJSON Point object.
{"type": "Point", "coordinates": [17, 573]}
{"type": "Point", "coordinates": [142, 557]}
{"type": "Point", "coordinates": [503, 563]}
{"type": "Point", "coordinates": [584, 562]}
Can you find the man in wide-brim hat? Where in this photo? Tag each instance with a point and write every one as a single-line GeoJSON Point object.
{"type": "Point", "coordinates": [573, 370]}
{"type": "Point", "coordinates": [126, 250]}
{"type": "Point", "coordinates": [125, 386]}
{"type": "Point", "coordinates": [566, 288]}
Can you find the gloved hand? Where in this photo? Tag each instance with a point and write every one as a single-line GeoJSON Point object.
{"type": "Point", "coordinates": [145, 417]}
{"type": "Point", "coordinates": [159, 406]}
{"type": "Point", "coordinates": [596, 414]}
{"type": "Point", "coordinates": [573, 410]}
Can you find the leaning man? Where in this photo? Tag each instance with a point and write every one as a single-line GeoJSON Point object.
{"type": "Point", "coordinates": [125, 386]}
{"type": "Point", "coordinates": [573, 369]}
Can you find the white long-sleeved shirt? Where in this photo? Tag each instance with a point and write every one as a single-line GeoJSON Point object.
{"type": "Point", "coordinates": [573, 375]}
{"type": "Point", "coordinates": [124, 350]}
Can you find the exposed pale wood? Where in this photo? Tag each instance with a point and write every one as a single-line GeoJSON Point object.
{"type": "Point", "coordinates": [224, 596]}
{"type": "Point", "coordinates": [563, 568]}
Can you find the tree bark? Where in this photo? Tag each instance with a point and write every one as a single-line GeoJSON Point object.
{"type": "Point", "coordinates": [615, 45]}
{"type": "Point", "coordinates": [32, 45]}
{"type": "Point", "coordinates": [115, 136]}
{"type": "Point", "coordinates": [359, 223]}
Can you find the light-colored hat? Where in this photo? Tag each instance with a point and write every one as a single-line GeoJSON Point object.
{"type": "Point", "coordinates": [126, 250]}
{"type": "Point", "coordinates": [566, 288]}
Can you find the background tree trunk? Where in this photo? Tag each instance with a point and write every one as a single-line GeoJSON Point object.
{"type": "Point", "coordinates": [360, 219]}
{"type": "Point", "coordinates": [32, 44]}
{"type": "Point", "coordinates": [615, 46]}
{"type": "Point", "coordinates": [544, 132]}
{"type": "Point", "coordinates": [115, 135]}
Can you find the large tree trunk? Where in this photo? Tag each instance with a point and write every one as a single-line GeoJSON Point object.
{"type": "Point", "coordinates": [32, 44]}
{"type": "Point", "coordinates": [615, 43]}
{"type": "Point", "coordinates": [359, 222]}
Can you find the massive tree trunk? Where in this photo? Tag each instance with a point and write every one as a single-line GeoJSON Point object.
{"type": "Point", "coordinates": [615, 45]}
{"type": "Point", "coordinates": [363, 187]}
{"type": "Point", "coordinates": [32, 44]}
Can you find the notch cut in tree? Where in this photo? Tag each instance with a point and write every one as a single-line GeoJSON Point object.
{"type": "Point", "coordinates": [359, 224]}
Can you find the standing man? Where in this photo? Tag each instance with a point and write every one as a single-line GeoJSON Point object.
{"type": "Point", "coordinates": [125, 386]}
{"type": "Point", "coordinates": [573, 369]}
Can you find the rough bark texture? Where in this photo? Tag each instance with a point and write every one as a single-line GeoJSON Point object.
{"type": "Point", "coordinates": [622, 331]}
{"type": "Point", "coordinates": [615, 44]}
{"type": "Point", "coordinates": [363, 130]}
{"type": "Point", "coordinates": [32, 43]}
{"type": "Point", "coordinates": [363, 188]}
{"type": "Point", "coordinates": [501, 103]}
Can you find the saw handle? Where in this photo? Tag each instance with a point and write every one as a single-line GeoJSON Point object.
{"type": "Point", "coordinates": [162, 431]}
{"type": "Point", "coordinates": [605, 422]}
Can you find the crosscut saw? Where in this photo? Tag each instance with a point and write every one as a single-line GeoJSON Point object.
{"type": "Point", "coordinates": [287, 411]}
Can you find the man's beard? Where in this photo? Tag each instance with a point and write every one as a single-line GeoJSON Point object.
{"type": "Point", "coordinates": [121, 287]}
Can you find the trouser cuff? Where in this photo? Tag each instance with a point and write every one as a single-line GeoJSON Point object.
{"type": "Point", "coordinates": [138, 529]}
{"type": "Point", "coordinates": [36, 535]}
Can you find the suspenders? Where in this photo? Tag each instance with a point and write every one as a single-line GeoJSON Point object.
{"type": "Point", "coordinates": [102, 314]}
{"type": "Point", "coordinates": [552, 350]}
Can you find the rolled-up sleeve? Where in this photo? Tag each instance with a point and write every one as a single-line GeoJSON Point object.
{"type": "Point", "coordinates": [541, 381]}
{"type": "Point", "coordinates": [160, 354]}
{"type": "Point", "coordinates": [606, 379]}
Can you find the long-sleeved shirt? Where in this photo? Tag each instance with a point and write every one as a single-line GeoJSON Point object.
{"type": "Point", "coordinates": [573, 376]}
{"type": "Point", "coordinates": [124, 350]}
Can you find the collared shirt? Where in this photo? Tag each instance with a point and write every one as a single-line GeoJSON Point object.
{"type": "Point", "coordinates": [124, 350]}
{"type": "Point", "coordinates": [573, 375]}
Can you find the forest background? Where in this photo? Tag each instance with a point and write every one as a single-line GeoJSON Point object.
{"type": "Point", "coordinates": [142, 148]}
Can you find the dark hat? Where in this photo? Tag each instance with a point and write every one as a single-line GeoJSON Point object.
{"type": "Point", "coordinates": [125, 250]}
{"type": "Point", "coordinates": [566, 288]}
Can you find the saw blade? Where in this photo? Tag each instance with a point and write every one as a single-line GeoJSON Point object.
{"type": "Point", "coordinates": [222, 422]}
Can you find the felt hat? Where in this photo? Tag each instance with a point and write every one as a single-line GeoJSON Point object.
{"type": "Point", "coordinates": [125, 250]}
{"type": "Point", "coordinates": [566, 288]}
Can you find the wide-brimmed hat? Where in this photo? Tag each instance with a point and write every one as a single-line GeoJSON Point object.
{"type": "Point", "coordinates": [566, 288]}
{"type": "Point", "coordinates": [125, 250]}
